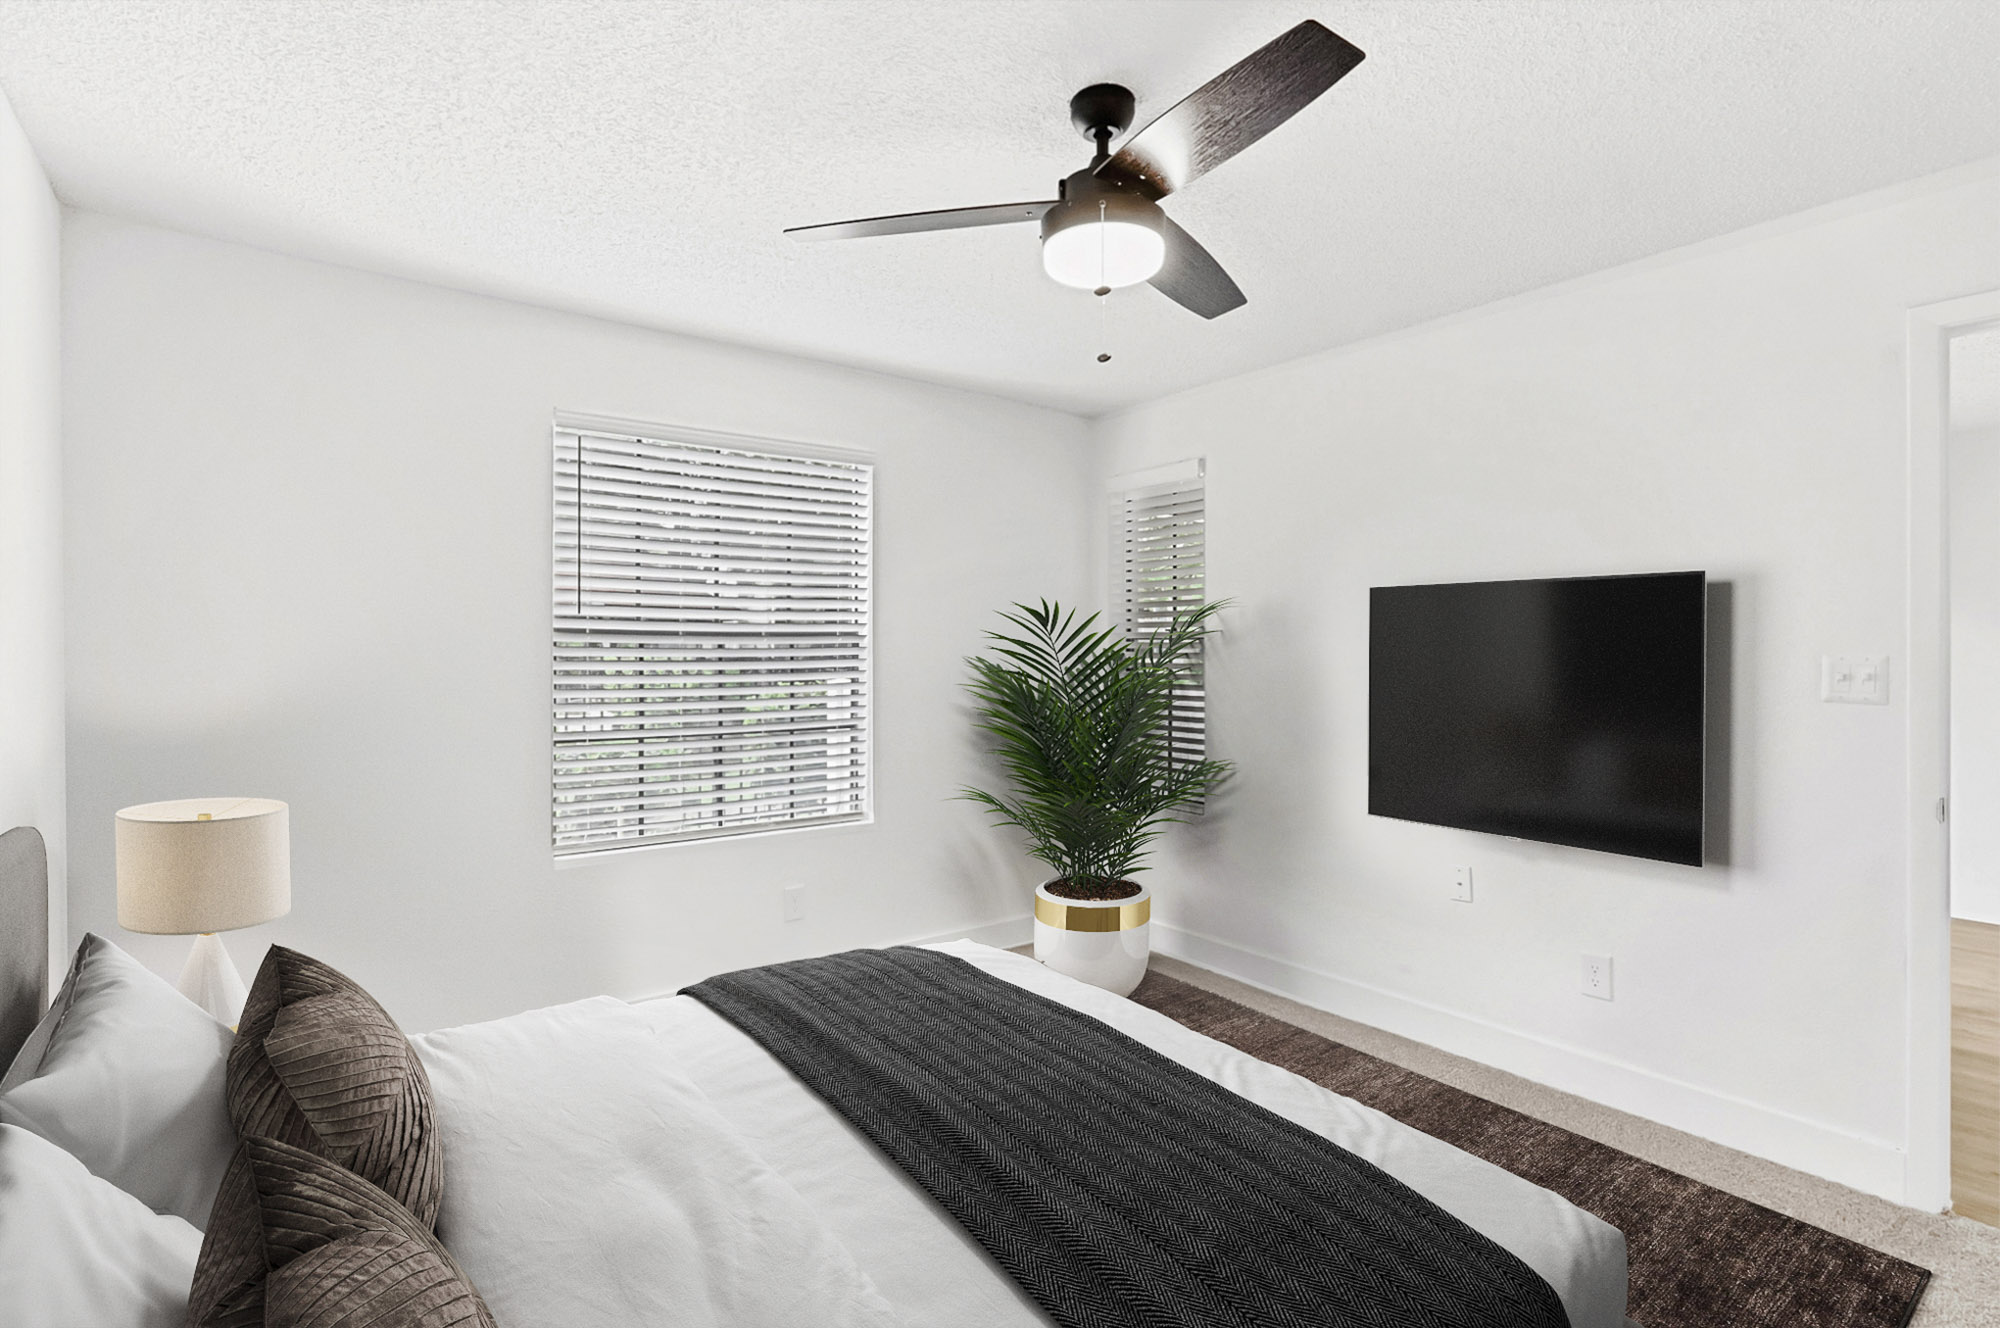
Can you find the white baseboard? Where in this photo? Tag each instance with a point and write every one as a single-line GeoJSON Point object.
{"type": "Point", "coordinates": [1002, 935]}
{"type": "Point", "coordinates": [1874, 1166]}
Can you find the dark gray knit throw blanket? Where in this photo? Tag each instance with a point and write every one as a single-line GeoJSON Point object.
{"type": "Point", "coordinates": [1116, 1186]}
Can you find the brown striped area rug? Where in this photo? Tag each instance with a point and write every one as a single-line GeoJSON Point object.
{"type": "Point", "coordinates": [1698, 1257]}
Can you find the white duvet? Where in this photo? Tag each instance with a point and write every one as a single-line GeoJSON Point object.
{"type": "Point", "coordinates": [611, 1164]}
{"type": "Point", "coordinates": [589, 1182]}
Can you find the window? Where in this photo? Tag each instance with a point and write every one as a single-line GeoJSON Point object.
{"type": "Point", "coordinates": [711, 642]}
{"type": "Point", "coordinates": [1157, 571]}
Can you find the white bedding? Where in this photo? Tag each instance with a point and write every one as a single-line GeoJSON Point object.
{"type": "Point", "coordinates": [77, 1251]}
{"type": "Point", "coordinates": [932, 1272]}
{"type": "Point", "coordinates": [589, 1184]}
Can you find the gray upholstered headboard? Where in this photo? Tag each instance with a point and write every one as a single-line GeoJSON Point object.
{"type": "Point", "coordinates": [24, 936]}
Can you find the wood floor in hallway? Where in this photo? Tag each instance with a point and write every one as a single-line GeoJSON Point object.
{"type": "Point", "coordinates": [1975, 1070]}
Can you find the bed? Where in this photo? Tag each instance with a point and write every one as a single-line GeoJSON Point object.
{"type": "Point", "coordinates": [24, 930]}
{"type": "Point", "coordinates": [621, 1163]}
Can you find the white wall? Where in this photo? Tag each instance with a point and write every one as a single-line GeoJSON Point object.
{"type": "Point", "coordinates": [1973, 464]}
{"type": "Point", "coordinates": [31, 628]}
{"type": "Point", "coordinates": [308, 539]}
{"type": "Point", "coordinates": [1738, 408]}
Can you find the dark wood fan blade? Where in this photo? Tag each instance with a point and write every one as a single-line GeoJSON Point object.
{"type": "Point", "coordinates": [908, 223]}
{"type": "Point", "coordinates": [1192, 278]}
{"type": "Point", "coordinates": [1234, 109]}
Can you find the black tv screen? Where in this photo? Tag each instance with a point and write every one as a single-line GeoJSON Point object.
{"type": "Point", "coordinates": [1569, 711]}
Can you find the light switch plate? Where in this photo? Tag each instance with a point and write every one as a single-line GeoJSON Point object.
{"type": "Point", "coordinates": [1854, 679]}
{"type": "Point", "coordinates": [795, 902]}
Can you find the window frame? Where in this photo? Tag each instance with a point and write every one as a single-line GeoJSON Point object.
{"type": "Point", "coordinates": [1124, 494]}
{"type": "Point", "coordinates": [569, 423]}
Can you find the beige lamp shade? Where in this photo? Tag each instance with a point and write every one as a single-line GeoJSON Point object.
{"type": "Point", "coordinates": [203, 865]}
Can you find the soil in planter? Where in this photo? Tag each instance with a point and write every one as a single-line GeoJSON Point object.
{"type": "Point", "coordinates": [1092, 890]}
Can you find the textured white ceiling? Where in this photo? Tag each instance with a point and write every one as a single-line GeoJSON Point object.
{"type": "Point", "coordinates": [638, 159]}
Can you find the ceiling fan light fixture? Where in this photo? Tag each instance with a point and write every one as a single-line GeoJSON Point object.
{"type": "Point", "coordinates": [1110, 253]}
{"type": "Point", "coordinates": [1102, 237]}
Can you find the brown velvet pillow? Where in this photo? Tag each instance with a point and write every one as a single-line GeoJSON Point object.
{"type": "Point", "coordinates": [229, 1273]}
{"type": "Point", "coordinates": [317, 1064]}
{"type": "Point", "coordinates": [304, 1243]}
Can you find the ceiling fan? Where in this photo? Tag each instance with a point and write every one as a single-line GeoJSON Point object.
{"type": "Point", "coordinates": [1105, 227]}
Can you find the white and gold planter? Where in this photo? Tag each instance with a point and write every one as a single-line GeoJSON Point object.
{"type": "Point", "coordinates": [1103, 942]}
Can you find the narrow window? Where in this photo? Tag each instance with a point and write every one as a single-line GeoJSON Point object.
{"type": "Point", "coordinates": [711, 637]}
{"type": "Point", "coordinates": [1157, 572]}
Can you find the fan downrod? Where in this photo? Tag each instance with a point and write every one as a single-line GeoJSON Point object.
{"type": "Point", "coordinates": [1101, 112]}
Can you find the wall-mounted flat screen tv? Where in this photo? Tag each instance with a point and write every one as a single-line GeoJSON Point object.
{"type": "Point", "coordinates": [1569, 711]}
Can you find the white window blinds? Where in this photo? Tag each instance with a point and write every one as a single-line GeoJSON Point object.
{"type": "Point", "coordinates": [1157, 571]}
{"type": "Point", "coordinates": [711, 644]}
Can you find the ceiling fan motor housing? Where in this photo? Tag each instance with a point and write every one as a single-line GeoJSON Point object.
{"type": "Point", "coordinates": [1105, 107]}
{"type": "Point", "coordinates": [1102, 232]}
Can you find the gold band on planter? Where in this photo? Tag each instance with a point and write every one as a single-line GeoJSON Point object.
{"type": "Point", "coordinates": [1093, 917]}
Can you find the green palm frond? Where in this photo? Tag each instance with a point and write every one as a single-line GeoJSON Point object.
{"type": "Point", "coordinates": [1078, 719]}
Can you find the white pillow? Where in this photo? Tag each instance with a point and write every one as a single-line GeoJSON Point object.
{"type": "Point", "coordinates": [589, 1184]}
{"type": "Point", "coordinates": [127, 1074]}
{"type": "Point", "coordinates": [76, 1250]}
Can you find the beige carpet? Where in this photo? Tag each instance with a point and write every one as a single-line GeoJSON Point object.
{"type": "Point", "coordinates": [1963, 1256]}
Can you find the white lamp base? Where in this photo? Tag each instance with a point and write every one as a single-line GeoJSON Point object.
{"type": "Point", "coordinates": [211, 981]}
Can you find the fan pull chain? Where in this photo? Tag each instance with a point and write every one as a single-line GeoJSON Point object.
{"type": "Point", "coordinates": [1103, 292]}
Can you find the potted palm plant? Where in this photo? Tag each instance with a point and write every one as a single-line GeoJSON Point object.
{"type": "Point", "coordinates": [1080, 718]}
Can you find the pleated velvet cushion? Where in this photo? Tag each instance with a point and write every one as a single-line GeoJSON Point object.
{"type": "Point", "coordinates": [318, 1065]}
{"type": "Point", "coordinates": [309, 1244]}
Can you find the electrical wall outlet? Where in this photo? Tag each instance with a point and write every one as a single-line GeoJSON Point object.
{"type": "Point", "coordinates": [1461, 885]}
{"type": "Point", "coordinates": [1597, 976]}
{"type": "Point", "coordinates": [795, 902]}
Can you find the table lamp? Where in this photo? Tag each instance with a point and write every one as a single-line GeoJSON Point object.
{"type": "Point", "coordinates": [197, 866]}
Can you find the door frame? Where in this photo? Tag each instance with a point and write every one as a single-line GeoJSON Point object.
{"type": "Point", "coordinates": [1927, 1161]}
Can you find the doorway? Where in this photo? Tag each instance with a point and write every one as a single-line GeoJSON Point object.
{"type": "Point", "coordinates": [1972, 573]}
